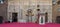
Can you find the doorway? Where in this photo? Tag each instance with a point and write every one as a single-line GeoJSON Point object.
{"type": "Point", "coordinates": [58, 19]}
{"type": "Point", "coordinates": [14, 17]}
{"type": "Point", "coordinates": [46, 17]}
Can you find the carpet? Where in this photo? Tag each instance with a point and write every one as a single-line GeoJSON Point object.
{"type": "Point", "coordinates": [28, 25]}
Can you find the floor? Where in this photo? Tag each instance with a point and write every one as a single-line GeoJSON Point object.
{"type": "Point", "coordinates": [28, 25]}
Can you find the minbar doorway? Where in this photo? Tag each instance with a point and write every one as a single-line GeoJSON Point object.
{"type": "Point", "coordinates": [14, 17]}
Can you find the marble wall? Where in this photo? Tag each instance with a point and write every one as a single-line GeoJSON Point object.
{"type": "Point", "coordinates": [21, 7]}
{"type": "Point", "coordinates": [3, 10]}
